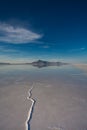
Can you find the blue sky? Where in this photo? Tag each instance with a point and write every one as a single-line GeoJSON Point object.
{"type": "Point", "coordinates": [43, 29]}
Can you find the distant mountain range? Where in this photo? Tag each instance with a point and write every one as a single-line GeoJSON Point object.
{"type": "Point", "coordinates": [41, 63]}
{"type": "Point", "coordinates": [38, 63]}
{"type": "Point", "coordinates": [4, 63]}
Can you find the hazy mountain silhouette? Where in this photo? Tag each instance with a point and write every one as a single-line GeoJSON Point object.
{"type": "Point", "coordinates": [41, 63]}
{"type": "Point", "coordinates": [38, 63]}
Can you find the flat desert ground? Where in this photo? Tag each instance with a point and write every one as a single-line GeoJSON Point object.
{"type": "Point", "coordinates": [60, 95]}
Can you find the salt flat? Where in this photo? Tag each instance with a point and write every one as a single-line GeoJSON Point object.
{"type": "Point", "coordinates": [60, 95]}
{"type": "Point", "coordinates": [81, 66]}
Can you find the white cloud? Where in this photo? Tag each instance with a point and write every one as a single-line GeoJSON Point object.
{"type": "Point", "coordinates": [17, 35]}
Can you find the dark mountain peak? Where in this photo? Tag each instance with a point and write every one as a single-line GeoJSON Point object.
{"type": "Point", "coordinates": [42, 63]}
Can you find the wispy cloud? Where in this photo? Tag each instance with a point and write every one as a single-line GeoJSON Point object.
{"type": "Point", "coordinates": [17, 35]}
{"type": "Point", "coordinates": [11, 59]}
{"type": "Point", "coordinates": [76, 50]}
{"type": "Point", "coordinates": [6, 49]}
{"type": "Point", "coordinates": [45, 46]}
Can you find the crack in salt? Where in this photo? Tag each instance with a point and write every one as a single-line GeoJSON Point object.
{"type": "Point", "coordinates": [29, 117]}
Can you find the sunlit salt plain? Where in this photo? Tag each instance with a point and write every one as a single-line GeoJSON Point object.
{"type": "Point", "coordinates": [60, 95]}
